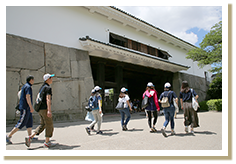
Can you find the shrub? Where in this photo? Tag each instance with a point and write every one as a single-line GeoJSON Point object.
{"type": "Point", "coordinates": [215, 104]}
{"type": "Point", "coordinates": [203, 105]}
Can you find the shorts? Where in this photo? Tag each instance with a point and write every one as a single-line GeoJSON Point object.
{"type": "Point", "coordinates": [26, 119]}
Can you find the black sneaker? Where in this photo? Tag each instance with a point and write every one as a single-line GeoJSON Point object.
{"type": "Point", "coordinates": [99, 132]}
{"type": "Point", "coordinates": [87, 130]}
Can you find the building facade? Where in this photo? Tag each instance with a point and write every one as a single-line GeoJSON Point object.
{"type": "Point", "coordinates": [86, 46]}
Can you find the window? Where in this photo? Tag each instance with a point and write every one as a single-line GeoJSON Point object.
{"type": "Point", "coordinates": [131, 44]}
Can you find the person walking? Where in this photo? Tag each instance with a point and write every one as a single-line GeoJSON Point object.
{"type": "Point", "coordinates": [45, 114]}
{"type": "Point", "coordinates": [153, 106]}
{"type": "Point", "coordinates": [26, 109]}
{"type": "Point", "coordinates": [169, 110]}
{"type": "Point", "coordinates": [190, 115]}
{"type": "Point", "coordinates": [96, 100]}
{"type": "Point", "coordinates": [123, 97]}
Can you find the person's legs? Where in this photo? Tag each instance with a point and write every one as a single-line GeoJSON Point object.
{"type": "Point", "coordinates": [149, 119]}
{"type": "Point", "coordinates": [167, 117]}
{"type": "Point", "coordinates": [127, 113]}
{"type": "Point", "coordinates": [122, 113]}
{"type": "Point", "coordinates": [155, 118]}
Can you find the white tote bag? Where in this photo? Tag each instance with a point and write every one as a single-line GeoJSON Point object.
{"type": "Point", "coordinates": [194, 102]}
{"type": "Point", "coordinates": [176, 106]}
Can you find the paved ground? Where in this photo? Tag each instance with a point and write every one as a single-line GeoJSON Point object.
{"type": "Point", "coordinates": [73, 135]}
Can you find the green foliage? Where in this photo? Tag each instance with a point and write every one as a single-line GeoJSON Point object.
{"type": "Point", "coordinates": [210, 51]}
{"type": "Point", "coordinates": [215, 88]}
{"type": "Point", "coordinates": [203, 105]}
{"type": "Point", "coordinates": [215, 104]}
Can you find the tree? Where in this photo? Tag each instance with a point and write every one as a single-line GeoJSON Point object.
{"type": "Point", "coordinates": [210, 51]}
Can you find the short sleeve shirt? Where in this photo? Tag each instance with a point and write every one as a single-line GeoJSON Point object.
{"type": "Point", "coordinates": [48, 91]}
{"type": "Point", "coordinates": [124, 99]}
{"type": "Point", "coordinates": [171, 95]}
{"type": "Point", "coordinates": [187, 96]}
{"type": "Point", "coordinates": [25, 90]}
{"type": "Point", "coordinates": [98, 96]}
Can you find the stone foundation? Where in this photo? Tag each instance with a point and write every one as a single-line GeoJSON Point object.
{"type": "Point", "coordinates": [71, 87]}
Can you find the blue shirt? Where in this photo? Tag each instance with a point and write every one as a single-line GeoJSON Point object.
{"type": "Point", "coordinates": [187, 96]}
{"type": "Point", "coordinates": [26, 89]}
{"type": "Point", "coordinates": [170, 96]}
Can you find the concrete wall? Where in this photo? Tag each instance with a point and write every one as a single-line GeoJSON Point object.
{"type": "Point", "coordinates": [71, 86]}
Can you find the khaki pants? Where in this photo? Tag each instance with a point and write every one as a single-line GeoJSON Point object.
{"type": "Point", "coordinates": [190, 115]}
{"type": "Point", "coordinates": [45, 123]}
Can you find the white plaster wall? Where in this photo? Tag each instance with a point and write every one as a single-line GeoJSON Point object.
{"type": "Point", "coordinates": [64, 25]}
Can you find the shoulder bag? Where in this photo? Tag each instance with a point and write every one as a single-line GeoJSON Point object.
{"type": "Point", "coordinates": [194, 102]}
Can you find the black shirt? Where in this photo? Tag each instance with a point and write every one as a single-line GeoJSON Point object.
{"type": "Point", "coordinates": [48, 91]}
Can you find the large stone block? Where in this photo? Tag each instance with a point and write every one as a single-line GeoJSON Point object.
{"type": "Point", "coordinates": [12, 88]}
{"type": "Point", "coordinates": [65, 95]}
{"type": "Point", "coordinates": [38, 75]}
{"type": "Point", "coordinates": [24, 53]}
{"type": "Point", "coordinates": [57, 60]}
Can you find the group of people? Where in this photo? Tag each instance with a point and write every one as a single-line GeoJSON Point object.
{"type": "Point", "coordinates": [26, 109]}
{"type": "Point", "coordinates": [95, 115]}
{"type": "Point", "coordinates": [152, 109]}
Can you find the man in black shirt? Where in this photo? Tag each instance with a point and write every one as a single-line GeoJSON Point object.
{"type": "Point", "coordinates": [45, 114]}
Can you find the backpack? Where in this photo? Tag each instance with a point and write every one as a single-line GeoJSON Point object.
{"type": "Point", "coordinates": [39, 99]}
{"type": "Point", "coordinates": [93, 103]}
{"type": "Point", "coordinates": [165, 101]}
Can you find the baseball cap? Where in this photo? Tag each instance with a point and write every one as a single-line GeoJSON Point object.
{"type": "Point", "coordinates": [47, 76]}
{"type": "Point", "coordinates": [124, 89]}
{"type": "Point", "coordinates": [150, 84]}
{"type": "Point", "coordinates": [167, 85]}
{"type": "Point", "coordinates": [97, 88]}
{"type": "Point", "coordinates": [92, 91]}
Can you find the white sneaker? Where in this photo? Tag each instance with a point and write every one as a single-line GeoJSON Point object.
{"type": "Point", "coordinates": [49, 144]}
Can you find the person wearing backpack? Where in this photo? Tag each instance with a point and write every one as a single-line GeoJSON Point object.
{"type": "Point", "coordinates": [166, 100]}
{"type": "Point", "coordinates": [26, 109]}
{"type": "Point", "coordinates": [45, 114]}
{"type": "Point", "coordinates": [153, 106]}
{"type": "Point", "coordinates": [95, 102]}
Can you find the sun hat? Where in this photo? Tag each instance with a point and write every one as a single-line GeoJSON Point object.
{"type": "Point", "coordinates": [150, 84]}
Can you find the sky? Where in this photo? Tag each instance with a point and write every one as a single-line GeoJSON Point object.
{"type": "Point", "coordinates": [190, 23]}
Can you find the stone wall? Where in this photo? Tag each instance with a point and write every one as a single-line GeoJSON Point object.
{"type": "Point", "coordinates": [71, 85]}
{"type": "Point", "coordinates": [200, 85]}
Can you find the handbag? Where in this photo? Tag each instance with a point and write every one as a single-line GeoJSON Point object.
{"type": "Point", "coordinates": [145, 102]}
{"type": "Point", "coordinates": [194, 102]}
{"type": "Point", "coordinates": [120, 105]}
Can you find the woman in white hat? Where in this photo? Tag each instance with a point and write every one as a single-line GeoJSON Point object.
{"type": "Point", "coordinates": [169, 110]}
{"type": "Point", "coordinates": [123, 97]}
{"type": "Point", "coordinates": [153, 106]}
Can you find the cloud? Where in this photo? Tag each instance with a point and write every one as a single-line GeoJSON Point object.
{"type": "Point", "coordinates": [177, 20]}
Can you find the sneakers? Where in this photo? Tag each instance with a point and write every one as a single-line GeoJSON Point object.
{"type": "Point", "coordinates": [153, 130]}
{"type": "Point", "coordinates": [87, 130]}
{"type": "Point", "coordinates": [8, 140]}
{"type": "Point", "coordinates": [186, 129]}
{"type": "Point", "coordinates": [163, 132]}
{"type": "Point", "coordinates": [99, 132]}
{"type": "Point", "coordinates": [124, 128]}
{"type": "Point", "coordinates": [27, 141]}
{"type": "Point", "coordinates": [172, 132]}
{"type": "Point", "coordinates": [49, 144]}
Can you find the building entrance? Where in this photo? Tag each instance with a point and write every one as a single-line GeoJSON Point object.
{"type": "Point", "coordinates": [112, 75]}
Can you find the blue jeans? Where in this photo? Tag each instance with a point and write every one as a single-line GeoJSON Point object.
{"type": "Point", "coordinates": [169, 116]}
{"type": "Point", "coordinates": [124, 112]}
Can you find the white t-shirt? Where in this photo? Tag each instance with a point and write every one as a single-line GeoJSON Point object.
{"type": "Point", "coordinates": [124, 99]}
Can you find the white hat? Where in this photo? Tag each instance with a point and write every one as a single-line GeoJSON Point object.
{"type": "Point", "coordinates": [167, 85]}
{"type": "Point", "coordinates": [150, 84]}
{"type": "Point", "coordinates": [92, 91]}
{"type": "Point", "coordinates": [123, 89]}
{"type": "Point", "coordinates": [97, 88]}
{"type": "Point", "coordinates": [47, 76]}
